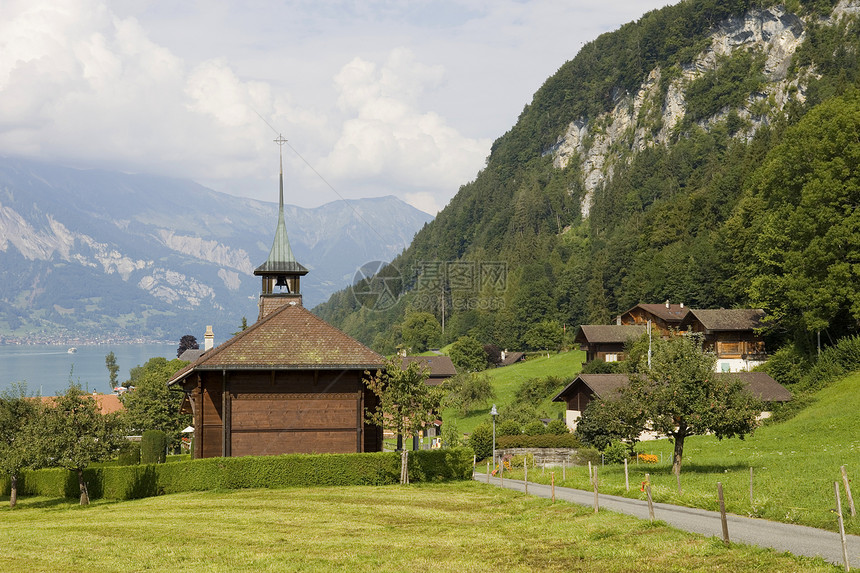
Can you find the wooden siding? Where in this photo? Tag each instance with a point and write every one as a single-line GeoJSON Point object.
{"type": "Point", "coordinates": [278, 412]}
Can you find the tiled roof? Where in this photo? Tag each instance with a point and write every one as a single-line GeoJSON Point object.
{"type": "Point", "coordinates": [604, 333]}
{"type": "Point", "coordinates": [290, 338]}
{"type": "Point", "coordinates": [512, 357]}
{"type": "Point", "coordinates": [726, 318]}
{"type": "Point", "coordinates": [603, 385]}
{"type": "Point", "coordinates": [673, 313]}
{"type": "Point", "coordinates": [440, 366]}
{"type": "Point", "coordinates": [760, 385]}
{"type": "Point", "coordinates": [108, 403]}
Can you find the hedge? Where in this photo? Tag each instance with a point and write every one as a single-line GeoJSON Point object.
{"type": "Point", "coordinates": [541, 441]}
{"type": "Point", "coordinates": [292, 470]}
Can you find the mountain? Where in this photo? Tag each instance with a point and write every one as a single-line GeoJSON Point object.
{"type": "Point", "coordinates": [97, 255]}
{"type": "Point", "coordinates": [665, 161]}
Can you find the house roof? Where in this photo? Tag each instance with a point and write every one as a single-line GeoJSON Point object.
{"type": "Point", "coordinates": [605, 333]}
{"type": "Point", "coordinates": [290, 338]}
{"type": "Point", "coordinates": [724, 319]}
{"type": "Point", "coordinates": [673, 313]}
{"type": "Point", "coordinates": [108, 403]}
{"type": "Point", "coordinates": [602, 385]}
{"type": "Point", "coordinates": [760, 385]}
{"type": "Point", "coordinates": [191, 354]}
{"type": "Point", "coordinates": [512, 357]}
{"type": "Point", "coordinates": [440, 366]}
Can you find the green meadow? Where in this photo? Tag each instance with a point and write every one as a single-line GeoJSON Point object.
{"type": "Point", "coordinates": [506, 380]}
{"type": "Point", "coordinates": [463, 526]}
{"type": "Point", "coordinates": [794, 464]}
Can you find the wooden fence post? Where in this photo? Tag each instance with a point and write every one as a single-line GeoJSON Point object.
{"type": "Point", "coordinates": [751, 486]}
{"type": "Point", "coordinates": [552, 480]}
{"type": "Point", "coordinates": [723, 514]}
{"type": "Point", "coordinates": [596, 503]}
{"type": "Point", "coordinates": [488, 472]}
{"type": "Point", "coordinates": [563, 470]}
{"type": "Point", "coordinates": [648, 493]}
{"type": "Point", "coordinates": [841, 527]}
{"type": "Point", "coordinates": [626, 477]}
{"type": "Point", "coordinates": [590, 475]}
{"type": "Point", "coordinates": [526, 474]}
{"type": "Point", "coordinates": [847, 484]}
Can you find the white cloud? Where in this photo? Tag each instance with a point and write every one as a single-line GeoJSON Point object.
{"type": "Point", "coordinates": [379, 97]}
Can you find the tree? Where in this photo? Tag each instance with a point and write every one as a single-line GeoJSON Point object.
{"type": "Point", "coordinates": [243, 327]}
{"type": "Point", "coordinates": [545, 335]}
{"type": "Point", "coordinates": [481, 440]}
{"type": "Point", "coordinates": [421, 331]}
{"type": "Point", "coordinates": [682, 396]}
{"type": "Point", "coordinates": [113, 368]}
{"type": "Point", "coordinates": [75, 433]}
{"type": "Point", "coordinates": [468, 355]}
{"type": "Point", "coordinates": [187, 342]}
{"type": "Point", "coordinates": [611, 420]}
{"type": "Point", "coordinates": [406, 403]}
{"type": "Point", "coordinates": [468, 391]}
{"type": "Point", "coordinates": [19, 416]}
{"type": "Point", "coordinates": [151, 405]}
{"type": "Point", "coordinates": [797, 230]}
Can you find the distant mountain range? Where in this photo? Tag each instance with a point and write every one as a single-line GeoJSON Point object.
{"type": "Point", "coordinates": [97, 255]}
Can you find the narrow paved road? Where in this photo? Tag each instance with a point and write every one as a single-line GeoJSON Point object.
{"type": "Point", "coordinates": [797, 539]}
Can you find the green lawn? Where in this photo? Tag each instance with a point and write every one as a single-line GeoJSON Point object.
{"type": "Point", "coordinates": [506, 380]}
{"type": "Point", "coordinates": [444, 527]}
{"type": "Point", "coordinates": [794, 466]}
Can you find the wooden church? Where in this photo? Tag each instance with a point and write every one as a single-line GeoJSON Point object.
{"type": "Point", "coordinates": [290, 383]}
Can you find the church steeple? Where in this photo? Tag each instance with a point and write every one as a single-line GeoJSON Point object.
{"type": "Point", "coordinates": [281, 272]}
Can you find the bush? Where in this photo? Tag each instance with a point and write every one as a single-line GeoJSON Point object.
{"type": "Point", "coordinates": [129, 455]}
{"type": "Point", "coordinates": [786, 365]}
{"type": "Point", "coordinates": [153, 447]}
{"type": "Point", "coordinates": [834, 362]}
{"type": "Point", "coordinates": [557, 427]}
{"type": "Point", "coordinates": [481, 441]}
{"type": "Point", "coordinates": [509, 428]}
{"type": "Point", "coordinates": [616, 453]}
{"type": "Point", "coordinates": [292, 470]}
{"type": "Point", "coordinates": [543, 441]}
{"type": "Point", "coordinates": [534, 428]}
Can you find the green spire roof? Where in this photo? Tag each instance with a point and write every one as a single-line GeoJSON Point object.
{"type": "Point", "coordinates": [281, 259]}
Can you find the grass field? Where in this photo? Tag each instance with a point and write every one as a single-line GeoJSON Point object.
{"type": "Point", "coordinates": [794, 466]}
{"type": "Point", "coordinates": [448, 527]}
{"type": "Point", "coordinates": [506, 380]}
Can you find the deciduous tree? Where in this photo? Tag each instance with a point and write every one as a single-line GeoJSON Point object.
{"type": "Point", "coordinates": [75, 433]}
{"type": "Point", "coordinates": [681, 395]}
{"type": "Point", "coordinates": [468, 355]}
{"type": "Point", "coordinates": [19, 418]}
{"type": "Point", "coordinates": [150, 405]}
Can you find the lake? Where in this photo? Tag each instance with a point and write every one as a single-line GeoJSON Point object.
{"type": "Point", "coordinates": [46, 369]}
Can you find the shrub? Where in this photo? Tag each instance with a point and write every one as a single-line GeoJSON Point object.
{"type": "Point", "coordinates": [534, 428]}
{"type": "Point", "coordinates": [509, 428]}
{"type": "Point", "coordinates": [834, 362]}
{"type": "Point", "coordinates": [153, 447]}
{"type": "Point", "coordinates": [557, 427]}
{"type": "Point", "coordinates": [786, 365]}
{"type": "Point", "coordinates": [292, 470]}
{"type": "Point", "coordinates": [616, 453]}
{"type": "Point", "coordinates": [129, 455]}
{"type": "Point", "coordinates": [542, 441]}
{"type": "Point", "coordinates": [481, 441]}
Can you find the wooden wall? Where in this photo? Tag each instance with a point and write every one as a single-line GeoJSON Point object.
{"type": "Point", "coordinates": [278, 412]}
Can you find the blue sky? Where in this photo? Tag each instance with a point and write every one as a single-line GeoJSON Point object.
{"type": "Point", "coordinates": [379, 97]}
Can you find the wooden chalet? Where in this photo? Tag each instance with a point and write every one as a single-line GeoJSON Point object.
{"type": "Point", "coordinates": [606, 341]}
{"type": "Point", "coordinates": [438, 368]}
{"type": "Point", "coordinates": [290, 383]}
{"type": "Point", "coordinates": [664, 317]}
{"type": "Point", "coordinates": [587, 387]}
{"type": "Point", "coordinates": [731, 334]}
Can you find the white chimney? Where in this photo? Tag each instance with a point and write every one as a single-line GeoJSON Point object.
{"type": "Point", "coordinates": [682, 305]}
{"type": "Point", "coordinates": [208, 339]}
{"type": "Point", "coordinates": [667, 303]}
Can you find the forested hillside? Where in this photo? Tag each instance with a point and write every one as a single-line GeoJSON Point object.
{"type": "Point", "coordinates": [707, 154]}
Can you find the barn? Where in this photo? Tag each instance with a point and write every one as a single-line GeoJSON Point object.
{"type": "Point", "coordinates": [290, 383]}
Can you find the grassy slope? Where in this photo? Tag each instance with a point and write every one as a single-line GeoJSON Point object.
{"type": "Point", "coordinates": [505, 381]}
{"type": "Point", "coordinates": [794, 465]}
{"type": "Point", "coordinates": [447, 527]}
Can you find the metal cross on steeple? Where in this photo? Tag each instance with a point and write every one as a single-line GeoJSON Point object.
{"type": "Point", "coordinates": [280, 141]}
